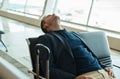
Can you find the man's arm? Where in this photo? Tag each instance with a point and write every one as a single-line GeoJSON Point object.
{"type": "Point", "coordinates": [55, 73]}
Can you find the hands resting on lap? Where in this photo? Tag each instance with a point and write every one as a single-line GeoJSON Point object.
{"type": "Point", "coordinates": [110, 72]}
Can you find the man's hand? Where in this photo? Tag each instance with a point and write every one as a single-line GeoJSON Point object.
{"type": "Point", "coordinates": [110, 72]}
{"type": "Point", "coordinates": [83, 77]}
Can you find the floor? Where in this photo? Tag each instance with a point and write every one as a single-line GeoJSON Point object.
{"type": "Point", "coordinates": [15, 37]}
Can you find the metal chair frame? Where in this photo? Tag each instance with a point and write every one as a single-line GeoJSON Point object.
{"type": "Point", "coordinates": [1, 32]}
{"type": "Point", "coordinates": [38, 48]}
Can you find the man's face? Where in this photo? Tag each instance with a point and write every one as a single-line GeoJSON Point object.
{"type": "Point", "coordinates": [49, 23]}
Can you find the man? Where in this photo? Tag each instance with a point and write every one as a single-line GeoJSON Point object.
{"type": "Point", "coordinates": [70, 58]}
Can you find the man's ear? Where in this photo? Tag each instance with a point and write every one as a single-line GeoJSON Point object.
{"type": "Point", "coordinates": [46, 25]}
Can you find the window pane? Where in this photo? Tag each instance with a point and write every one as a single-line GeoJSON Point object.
{"type": "Point", "coordinates": [17, 5]}
{"type": "Point", "coordinates": [106, 14]}
{"type": "Point", "coordinates": [74, 10]}
{"type": "Point", "coordinates": [35, 7]}
{"type": "Point", "coordinates": [1, 3]}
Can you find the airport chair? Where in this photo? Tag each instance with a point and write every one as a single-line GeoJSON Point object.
{"type": "Point", "coordinates": [97, 42]}
{"type": "Point", "coordinates": [1, 32]}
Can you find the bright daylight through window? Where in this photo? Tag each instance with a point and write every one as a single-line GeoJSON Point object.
{"type": "Point", "coordinates": [104, 14]}
{"type": "Point", "coordinates": [100, 14]}
{"type": "Point", "coordinates": [34, 7]}
{"type": "Point", "coordinates": [1, 3]}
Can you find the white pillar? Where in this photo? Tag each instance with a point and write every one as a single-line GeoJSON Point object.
{"type": "Point", "coordinates": [48, 9]}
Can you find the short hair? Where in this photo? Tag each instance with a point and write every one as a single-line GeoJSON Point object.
{"type": "Point", "coordinates": [42, 24]}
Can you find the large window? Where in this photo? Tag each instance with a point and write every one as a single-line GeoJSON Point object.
{"type": "Point", "coordinates": [76, 12]}
{"type": "Point", "coordinates": [1, 3]}
{"type": "Point", "coordinates": [17, 5]}
{"type": "Point", "coordinates": [34, 7]}
{"type": "Point", "coordinates": [101, 14]}
{"type": "Point", "coordinates": [104, 14]}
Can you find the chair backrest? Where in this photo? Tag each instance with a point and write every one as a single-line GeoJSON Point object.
{"type": "Point", "coordinates": [98, 43]}
{"type": "Point", "coordinates": [33, 55]}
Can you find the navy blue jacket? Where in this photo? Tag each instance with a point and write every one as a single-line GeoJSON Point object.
{"type": "Point", "coordinates": [62, 63]}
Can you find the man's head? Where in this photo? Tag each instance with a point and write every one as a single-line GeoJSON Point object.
{"type": "Point", "coordinates": [50, 23]}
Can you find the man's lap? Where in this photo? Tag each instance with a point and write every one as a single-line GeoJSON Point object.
{"type": "Point", "coordinates": [99, 74]}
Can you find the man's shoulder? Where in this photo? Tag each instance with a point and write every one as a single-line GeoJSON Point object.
{"type": "Point", "coordinates": [76, 33]}
{"type": "Point", "coordinates": [48, 36]}
{"type": "Point", "coordinates": [45, 35]}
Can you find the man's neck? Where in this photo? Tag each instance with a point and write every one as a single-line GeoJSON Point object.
{"type": "Point", "coordinates": [58, 28]}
